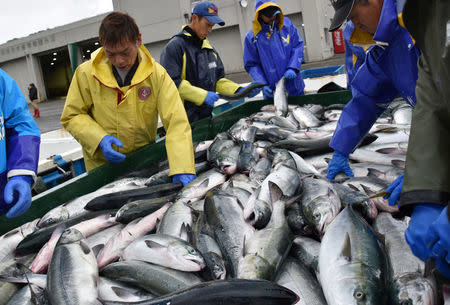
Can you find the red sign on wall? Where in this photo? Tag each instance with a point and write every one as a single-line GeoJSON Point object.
{"type": "Point", "coordinates": [338, 41]}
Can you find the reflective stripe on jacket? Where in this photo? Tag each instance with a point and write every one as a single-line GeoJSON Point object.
{"type": "Point", "coordinates": [389, 69]}
{"type": "Point", "coordinates": [96, 106]}
{"type": "Point", "coordinates": [270, 51]}
{"type": "Point", "coordinates": [354, 55]}
{"type": "Point", "coordinates": [195, 71]}
{"type": "Point", "coordinates": [19, 134]}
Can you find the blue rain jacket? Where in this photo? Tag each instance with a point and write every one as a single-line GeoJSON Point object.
{"type": "Point", "coordinates": [389, 69]}
{"type": "Point", "coordinates": [270, 50]}
{"type": "Point", "coordinates": [354, 55]}
{"type": "Point", "coordinates": [19, 135]}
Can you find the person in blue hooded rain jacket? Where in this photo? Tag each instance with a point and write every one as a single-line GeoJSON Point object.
{"type": "Point", "coordinates": [389, 69]}
{"type": "Point", "coordinates": [354, 55]}
{"type": "Point", "coordinates": [273, 49]}
{"type": "Point", "coordinates": [19, 149]}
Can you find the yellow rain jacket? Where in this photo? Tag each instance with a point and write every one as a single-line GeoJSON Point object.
{"type": "Point", "coordinates": [96, 107]}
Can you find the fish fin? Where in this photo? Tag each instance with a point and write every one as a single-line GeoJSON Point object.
{"type": "Point", "coordinates": [153, 244]}
{"type": "Point", "coordinates": [275, 192]}
{"type": "Point", "coordinates": [380, 237]}
{"type": "Point", "coordinates": [85, 247]}
{"type": "Point", "coordinates": [354, 187]}
{"type": "Point", "coordinates": [367, 190]}
{"type": "Point", "coordinates": [186, 232]}
{"type": "Point", "coordinates": [387, 150]}
{"type": "Point", "coordinates": [374, 172]}
{"type": "Point", "coordinates": [204, 184]}
{"type": "Point", "coordinates": [121, 292]}
{"type": "Point", "coordinates": [97, 248]}
{"type": "Point", "coordinates": [158, 222]}
{"type": "Point", "coordinates": [346, 251]}
{"type": "Point", "coordinates": [398, 163]}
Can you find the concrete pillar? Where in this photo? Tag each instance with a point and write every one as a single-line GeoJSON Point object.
{"type": "Point", "coordinates": [316, 30]}
{"type": "Point", "coordinates": [75, 55]}
{"type": "Point", "coordinates": [35, 72]}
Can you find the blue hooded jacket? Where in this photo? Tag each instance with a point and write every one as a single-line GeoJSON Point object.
{"type": "Point", "coordinates": [389, 69]}
{"type": "Point", "coordinates": [19, 135]}
{"type": "Point", "coordinates": [270, 50]}
{"type": "Point", "coordinates": [354, 55]}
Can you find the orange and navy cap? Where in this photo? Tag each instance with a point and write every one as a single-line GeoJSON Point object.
{"type": "Point", "coordinates": [209, 11]}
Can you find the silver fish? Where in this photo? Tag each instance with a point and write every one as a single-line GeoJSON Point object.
{"type": "Point", "coordinates": [280, 98]}
{"type": "Point", "coordinates": [353, 267]}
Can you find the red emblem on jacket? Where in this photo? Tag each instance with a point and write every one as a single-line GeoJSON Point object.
{"type": "Point", "coordinates": [144, 92]}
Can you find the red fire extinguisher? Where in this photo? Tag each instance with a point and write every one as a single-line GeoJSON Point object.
{"type": "Point", "coordinates": [338, 41]}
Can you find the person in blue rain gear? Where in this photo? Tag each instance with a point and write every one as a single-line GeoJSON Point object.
{"type": "Point", "coordinates": [389, 69]}
{"type": "Point", "coordinates": [19, 149]}
{"type": "Point", "coordinates": [354, 55]}
{"type": "Point", "coordinates": [273, 49]}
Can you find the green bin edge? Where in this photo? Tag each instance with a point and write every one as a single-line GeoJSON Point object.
{"type": "Point", "coordinates": [149, 156]}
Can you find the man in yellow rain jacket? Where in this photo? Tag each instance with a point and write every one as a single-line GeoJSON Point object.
{"type": "Point", "coordinates": [116, 96]}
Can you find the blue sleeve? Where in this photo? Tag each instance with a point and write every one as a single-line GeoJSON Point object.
{"type": "Point", "coordinates": [22, 133]}
{"type": "Point", "coordinates": [172, 60]}
{"type": "Point", "coordinates": [372, 92]}
{"type": "Point", "coordinates": [295, 61]}
{"type": "Point", "coordinates": [252, 62]}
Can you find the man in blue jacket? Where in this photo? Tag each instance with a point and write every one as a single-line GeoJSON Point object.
{"type": "Point", "coordinates": [273, 49]}
{"type": "Point", "coordinates": [19, 149]}
{"type": "Point", "coordinates": [195, 66]}
{"type": "Point", "coordinates": [389, 69]}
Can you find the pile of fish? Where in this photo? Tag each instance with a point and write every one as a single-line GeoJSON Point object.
{"type": "Point", "coordinates": [261, 224]}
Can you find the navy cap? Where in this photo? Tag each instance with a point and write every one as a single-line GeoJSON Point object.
{"type": "Point", "coordinates": [342, 9]}
{"type": "Point", "coordinates": [270, 11]}
{"type": "Point", "coordinates": [209, 11]}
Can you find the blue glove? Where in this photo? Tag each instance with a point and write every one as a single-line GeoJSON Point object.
{"type": "Point", "coordinates": [252, 93]}
{"type": "Point", "coordinates": [267, 92]}
{"type": "Point", "coordinates": [110, 154]}
{"type": "Point", "coordinates": [421, 219]}
{"type": "Point", "coordinates": [443, 266]}
{"type": "Point", "coordinates": [18, 194]}
{"type": "Point", "coordinates": [339, 163]}
{"type": "Point", "coordinates": [290, 74]}
{"type": "Point", "coordinates": [184, 178]}
{"type": "Point", "coordinates": [394, 189]}
{"type": "Point", "coordinates": [438, 238]}
{"type": "Point", "coordinates": [210, 98]}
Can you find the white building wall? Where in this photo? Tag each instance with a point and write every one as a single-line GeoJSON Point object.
{"type": "Point", "coordinates": [159, 20]}
{"type": "Point", "coordinates": [18, 70]}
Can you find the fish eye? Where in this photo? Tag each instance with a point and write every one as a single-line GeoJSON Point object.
{"type": "Point", "coordinates": [359, 295]}
{"type": "Point", "coordinates": [316, 216]}
{"type": "Point", "coordinates": [192, 251]}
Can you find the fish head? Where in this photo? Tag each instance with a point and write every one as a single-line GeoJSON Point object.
{"type": "Point", "coordinates": [414, 289]}
{"type": "Point", "coordinates": [187, 255]}
{"type": "Point", "coordinates": [70, 235]}
{"type": "Point", "coordinates": [52, 217]}
{"type": "Point", "coordinates": [261, 214]}
{"type": "Point", "coordinates": [356, 291]}
{"type": "Point", "coordinates": [322, 214]}
{"type": "Point", "coordinates": [216, 264]}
